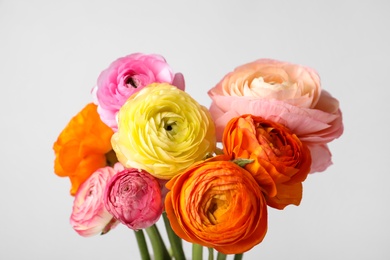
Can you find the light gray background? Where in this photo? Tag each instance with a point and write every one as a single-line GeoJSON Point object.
{"type": "Point", "coordinates": [51, 53]}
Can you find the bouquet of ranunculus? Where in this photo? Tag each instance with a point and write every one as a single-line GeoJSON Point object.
{"type": "Point", "coordinates": [145, 149]}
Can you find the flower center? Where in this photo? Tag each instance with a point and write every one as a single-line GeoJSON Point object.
{"type": "Point", "coordinates": [169, 127]}
{"type": "Point", "coordinates": [131, 83]}
{"type": "Point", "coordinates": [218, 206]}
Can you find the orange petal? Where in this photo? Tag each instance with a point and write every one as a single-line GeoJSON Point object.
{"type": "Point", "coordinates": [287, 195]}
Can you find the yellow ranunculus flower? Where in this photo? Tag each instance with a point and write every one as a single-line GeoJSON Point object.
{"type": "Point", "coordinates": [163, 130]}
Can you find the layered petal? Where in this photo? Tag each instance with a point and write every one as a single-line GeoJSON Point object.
{"type": "Point", "coordinates": [279, 157]}
{"type": "Point", "coordinates": [217, 204]}
{"type": "Point", "coordinates": [89, 216]}
{"type": "Point", "coordinates": [82, 147]}
{"type": "Point", "coordinates": [313, 127]}
{"type": "Point", "coordinates": [134, 198]}
{"type": "Point", "coordinates": [163, 130]}
{"type": "Point", "coordinates": [286, 93]}
{"type": "Point", "coordinates": [274, 80]}
{"type": "Point", "coordinates": [126, 76]}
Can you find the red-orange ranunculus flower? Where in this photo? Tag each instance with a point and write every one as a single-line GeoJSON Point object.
{"type": "Point", "coordinates": [217, 204]}
{"type": "Point", "coordinates": [82, 146]}
{"type": "Point", "coordinates": [281, 161]}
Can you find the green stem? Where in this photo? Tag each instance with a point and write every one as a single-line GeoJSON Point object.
{"type": "Point", "coordinates": [143, 247]}
{"type": "Point", "coordinates": [211, 253]}
{"type": "Point", "coordinates": [197, 252]}
{"type": "Point", "coordinates": [221, 256]}
{"type": "Point", "coordinates": [238, 256]}
{"type": "Point", "coordinates": [176, 243]}
{"type": "Point", "coordinates": [160, 251]}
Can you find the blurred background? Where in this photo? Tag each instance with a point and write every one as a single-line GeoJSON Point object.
{"type": "Point", "coordinates": [51, 53]}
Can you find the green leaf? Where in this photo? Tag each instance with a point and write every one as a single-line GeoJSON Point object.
{"type": "Point", "coordinates": [242, 162]}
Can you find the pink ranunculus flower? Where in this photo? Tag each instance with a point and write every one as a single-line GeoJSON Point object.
{"type": "Point", "coordinates": [127, 75]}
{"type": "Point", "coordinates": [89, 216]}
{"type": "Point", "coordinates": [285, 93]}
{"type": "Point", "coordinates": [134, 198]}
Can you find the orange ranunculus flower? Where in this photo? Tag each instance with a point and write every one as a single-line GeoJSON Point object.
{"type": "Point", "coordinates": [281, 161]}
{"type": "Point", "coordinates": [218, 204]}
{"type": "Point", "coordinates": [82, 146]}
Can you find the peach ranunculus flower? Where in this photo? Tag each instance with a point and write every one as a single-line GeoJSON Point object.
{"type": "Point", "coordinates": [281, 162]}
{"type": "Point", "coordinates": [126, 76]}
{"type": "Point", "coordinates": [89, 215]}
{"type": "Point", "coordinates": [218, 204]}
{"type": "Point", "coordinates": [163, 130]}
{"type": "Point", "coordinates": [82, 147]}
{"type": "Point", "coordinates": [271, 79]}
{"type": "Point", "coordinates": [286, 93]}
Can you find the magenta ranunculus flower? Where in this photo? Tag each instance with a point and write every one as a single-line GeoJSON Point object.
{"type": "Point", "coordinates": [127, 75]}
{"type": "Point", "coordinates": [89, 216]}
{"type": "Point", "coordinates": [134, 198]}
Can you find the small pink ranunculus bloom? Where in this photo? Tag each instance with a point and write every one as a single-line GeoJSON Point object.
{"type": "Point", "coordinates": [134, 198]}
{"type": "Point", "coordinates": [89, 216]}
{"type": "Point", "coordinates": [285, 93]}
{"type": "Point", "coordinates": [127, 75]}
